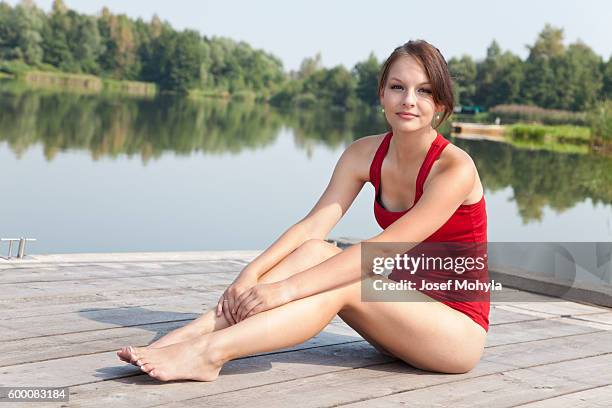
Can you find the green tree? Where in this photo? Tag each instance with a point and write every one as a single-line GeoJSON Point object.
{"type": "Point", "coordinates": [366, 77]}
{"type": "Point", "coordinates": [509, 79]}
{"type": "Point", "coordinates": [55, 42]}
{"type": "Point", "coordinates": [540, 68]}
{"type": "Point", "coordinates": [309, 66]}
{"type": "Point", "coordinates": [28, 23]}
{"type": "Point", "coordinates": [606, 90]}
{"type": "Point", "coordinates": [334, 86]}
{"type": "Point", "coordinates": [463, 71]}
{"type": "Point", "coordinates": [119, 58]}
{"type": "Point", "coordinates": [581, 77]}
{"type": "Point", "coordinates": [9, 33]}
{"type": "Point", "coordinates": [185, 58]}
{"type": "Point", "coordinates": [498, 77]}
{"type": "Point", "coordinates": [85, 43]}
{"type": "Point", "coordinates": [486, 75]}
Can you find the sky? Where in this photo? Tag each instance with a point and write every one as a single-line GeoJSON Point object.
{"type": "Point", "coordinates": [345, 32]}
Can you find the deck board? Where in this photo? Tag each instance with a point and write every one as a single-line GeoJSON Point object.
{"type": "Point", "coordinates": [63, 318]}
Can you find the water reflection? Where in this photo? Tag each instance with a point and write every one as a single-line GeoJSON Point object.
{"type": "Point", "coordinates": [109, 126]}
{"type": "Point", "coordinates": [541, 178]}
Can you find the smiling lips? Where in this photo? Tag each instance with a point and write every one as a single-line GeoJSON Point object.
{"type": "Point", "coordinates": [406, 115]}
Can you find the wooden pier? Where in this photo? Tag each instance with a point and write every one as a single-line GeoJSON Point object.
{"type": "Point", "coordinates": [478, 131]}
{"type": "Point", "coordinates": [65, 316]}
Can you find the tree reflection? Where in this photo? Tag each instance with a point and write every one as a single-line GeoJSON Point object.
{"type": "Point", "coordinates": [110, 126]}
{"type": "Point", "coordinates": [540, 177]}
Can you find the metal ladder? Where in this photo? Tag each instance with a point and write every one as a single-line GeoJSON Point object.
{"type": "Point", "coordinates": [22, 246]}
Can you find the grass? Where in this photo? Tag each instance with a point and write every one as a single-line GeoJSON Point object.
{"type": "Point", "coordinates": [560, 138]}
{"type": "Point", "coordinates": [564, 134]}
{"type": "Point", "coordinates": [49, 78]}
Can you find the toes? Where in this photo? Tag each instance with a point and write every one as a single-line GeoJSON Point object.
{"type": "Point", "coordinates": [147, 368]}
{"type": "Point", "coordinates": [133, 352]}
{"type": "Point", "coordinates": [158, 375]}
{"type": "Point", "coordinates": [139, 352]}
{"type": "Point", "coordinates": [124, 355]}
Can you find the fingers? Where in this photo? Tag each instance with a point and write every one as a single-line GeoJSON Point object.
{"type": "Point", "coordinates": [249, 307]}
{"type": "Point", "coordinates": [246, 304]}
{"type": "Point", "coordinates": [220, 303]}
{"type": "Point", "coordinates": [228, 316]}
{"type": "Point", "coordinates": [240, 299]}
{"type": "Point", "coordinates": [254, 311]}
{"type": "Point", "coordinates": [219, 307]}
{"type": "Point", "coordinates": [223, 309]}
{"type": "Point", "coordinates": [231, 305]}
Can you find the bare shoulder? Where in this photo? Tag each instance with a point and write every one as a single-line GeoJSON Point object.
{"type": "Point", "coordinates": [453, 157]}
{"type": "Point", "coordinates": [457, 163]}
{"type": "Point", "coordinates": [360, 153]}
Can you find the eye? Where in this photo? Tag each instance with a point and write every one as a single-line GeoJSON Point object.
{"type": "Point", "coordinates": [396, 87]}
{"type": "Point", "coordinates": [425, 90]}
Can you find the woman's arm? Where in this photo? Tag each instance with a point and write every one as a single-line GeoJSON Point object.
{"type": "Point", "coordinates": [445, 193]}
{"type": "Point", "coordinates": [289, 240]}
{"type": "Point", "coordinates": [345, 183]}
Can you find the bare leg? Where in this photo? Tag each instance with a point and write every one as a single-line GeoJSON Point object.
{"type": "Point", "coordinates": [426, 334]}
{"type": "Point", "coordinates": [311, 253]}
{"type": "Point", "coordinates": [202, 358]}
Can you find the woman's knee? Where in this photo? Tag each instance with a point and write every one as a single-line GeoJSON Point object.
{"type": "Point", "coordinates": [318, 248]}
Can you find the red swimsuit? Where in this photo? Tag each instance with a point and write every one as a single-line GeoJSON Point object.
{"type": "Point", "coordinates": [467, 224]}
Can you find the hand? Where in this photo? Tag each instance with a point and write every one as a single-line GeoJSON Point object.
{"type": "Point", "coordinates": [228, 301]}
{"type": "Point", "coordinates": [262, 297]}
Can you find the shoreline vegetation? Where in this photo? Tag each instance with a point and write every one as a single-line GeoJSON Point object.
{"type": "Point", "coordinates": [64, 50]}
{"type": "Point", "coordinates": [538, 128]}
{"type": "Point", "coordinates": [82, 83]}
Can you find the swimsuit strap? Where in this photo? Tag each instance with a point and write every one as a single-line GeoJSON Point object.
{"type": "Point", "coordinates": [378, 159]}
{"type": "Point", "coordinates": [432, 155]}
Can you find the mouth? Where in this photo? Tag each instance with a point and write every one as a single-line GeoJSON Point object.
{"type": "Point", "coordinates": [406, 115]}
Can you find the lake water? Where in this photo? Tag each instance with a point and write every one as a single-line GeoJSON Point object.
{"type": "Point", "coordinates": [106, 174]}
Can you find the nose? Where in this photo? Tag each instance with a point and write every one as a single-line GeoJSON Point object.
{"type": "Point", "coordinates": [409, 98]}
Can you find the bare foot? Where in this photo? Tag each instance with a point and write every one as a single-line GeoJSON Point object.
{"type": "Point", "coordinates": [200, 326]}
{"type": "Point", "coordinates": [193, 359]}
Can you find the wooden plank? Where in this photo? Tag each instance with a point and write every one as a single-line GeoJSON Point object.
{"type": "Point", "coordinates": [86, 334]}
{"type": "Point", "coordinates": [126, 291]}
{"type": "Point", "coordinates": [385, 381]}
{"type": "Point", "coordinates": [126, 257]}
{"type": "Point", "coordinates": [74, 350]}
{"type": "Point", "coordinates": [99, 341]}
{"type": "Point", "coordinates": [602, 318]}
{"type": "Point", "coordinates": [498, 315]}
{"type": "Point", "coordinates": [80, 369]}
{"type": "Point", "coordinates": [114, 271]}
{"type": "Point", "coordinates": [15, 291]}
{"type": "Point", "coordinates": [534, 330]}
{"type": "Point", "coordinates": [560, 308]}
{"type": "Point", "coordinates": [116, 300]}
{"type": "Point", "coordinates": [506, 389]}
{"type": "Point", "coordinates": [591, 398]}
{"type": "Point", "coordinates": [88, 320]}
{"type": "Point", "coordinates": [90, 368]}
{"type": "Point", "coordinates": [87, 330]}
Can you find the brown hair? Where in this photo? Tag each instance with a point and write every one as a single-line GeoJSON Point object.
{"type": "Point", "coordinates": [435, 67]}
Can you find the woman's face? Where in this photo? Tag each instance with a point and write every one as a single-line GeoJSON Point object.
{"type": "Point", "coordinates": [406, 92]}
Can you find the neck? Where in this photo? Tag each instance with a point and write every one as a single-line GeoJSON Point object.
{"type": "Point", "coordinates": [406, 147]}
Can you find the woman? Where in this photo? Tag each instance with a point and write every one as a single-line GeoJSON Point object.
{"type": "Point", "coordinates": [301, 278]}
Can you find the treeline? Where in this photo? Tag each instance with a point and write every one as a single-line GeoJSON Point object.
{"type": "Point", "coordinates": [553, 76]}
{"type": "Point", "coordinates": [110, 45]}
{"type": "Point", "coordinates": [119, 47]}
